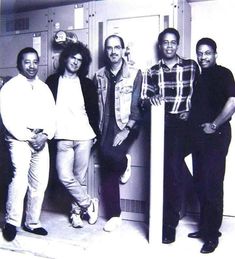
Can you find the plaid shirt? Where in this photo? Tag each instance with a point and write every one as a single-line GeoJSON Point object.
{"type": "Point", "coordinates": [174, 85]}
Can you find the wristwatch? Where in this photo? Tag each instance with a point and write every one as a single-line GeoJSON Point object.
{"type": "Point", "coordinates": [128, 128]}
{"type": "Point", "coordinates": [213, 126]}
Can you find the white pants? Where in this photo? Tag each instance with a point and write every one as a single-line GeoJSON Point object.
{"type": "Point", "coordinates": [30, 175]}
{"type": "Point", "coordinates": [72, 164]}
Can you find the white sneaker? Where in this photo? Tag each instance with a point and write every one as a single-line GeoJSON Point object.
{"type": "Point", "coordinates": [127, 174]}
{"type": "Point", "coordinates": [112, 224]}
{"type": "Point", "coordinates": [93, 211]}
{"type": "Point", "coordinates": [76, 220]}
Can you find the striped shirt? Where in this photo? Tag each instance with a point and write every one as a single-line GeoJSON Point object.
{"type": "Point", "coordinates": [175, 85]}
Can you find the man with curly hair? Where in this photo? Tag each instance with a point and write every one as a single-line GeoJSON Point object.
{"type": "Point", "coordinates": [77, 128]}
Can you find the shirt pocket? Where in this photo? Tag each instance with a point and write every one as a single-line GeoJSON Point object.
{"type": "Point", "coordinates": [126, 93]}
{"type": "Point", "coordinates": [125, 102]}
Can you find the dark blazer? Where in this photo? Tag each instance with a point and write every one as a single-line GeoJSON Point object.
{"type": "Point", "coordinates": [89, 94]}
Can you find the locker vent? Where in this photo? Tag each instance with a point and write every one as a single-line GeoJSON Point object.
{"type": "Point", "coordinates": [17, 24]}
{"type": "Point", "coordinates": [135, 206]}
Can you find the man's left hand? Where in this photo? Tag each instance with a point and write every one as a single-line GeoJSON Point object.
{"type": "Point", "coordinates": [38, 141]}
{"type": "Point", "coordinates": [207, 128]}
{"type": "Point", "coordinates": [120, 137]}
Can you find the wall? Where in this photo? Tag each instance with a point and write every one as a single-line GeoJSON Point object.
{"type": "Point", "coordinates": [215, 19]}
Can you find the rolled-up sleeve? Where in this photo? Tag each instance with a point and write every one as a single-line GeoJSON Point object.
{"type": "Point", "coordinates": [135, 103]}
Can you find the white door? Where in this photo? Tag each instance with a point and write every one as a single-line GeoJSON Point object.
{"type": "Point", "coordinates": [140, 37]}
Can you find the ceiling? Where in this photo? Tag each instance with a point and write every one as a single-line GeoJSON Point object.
{"type": "Point", "coordinates": [14, 6]}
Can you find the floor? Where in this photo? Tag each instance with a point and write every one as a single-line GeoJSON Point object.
{"type": "Point", "coordinates": [130, 240]}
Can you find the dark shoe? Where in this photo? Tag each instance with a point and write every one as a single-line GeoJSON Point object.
{"type": "Point", "coordinates": [168, 235]}
{"type": "Point", "coordinates": [209, 246]}
{"type": "Point", "coordinates": [37, 231]}
{"type": "Point", "coordinates": [9, 232]}
{"type": "Point", "coordinates": [198, 234]}
{"type": "Point", "coordinates": [195, 234]}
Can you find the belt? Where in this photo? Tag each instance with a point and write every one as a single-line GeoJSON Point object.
{"type": "Point", "coordinates": [36, 131]}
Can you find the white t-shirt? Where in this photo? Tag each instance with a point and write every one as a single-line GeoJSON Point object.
{"type": "Point", "coordinates": [72, 120]}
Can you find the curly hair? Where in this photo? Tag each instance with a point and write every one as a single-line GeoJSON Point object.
{"type": "Point", "coordinates": [69, 51]}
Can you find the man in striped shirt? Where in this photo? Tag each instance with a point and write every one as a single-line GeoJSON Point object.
{"type": "Point", "coordinates": [172, 81]}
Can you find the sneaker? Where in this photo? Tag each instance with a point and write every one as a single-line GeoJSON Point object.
{"type": "Point", "coordinates": [93, 211]}
{"type": "Point", "coordinates": [113, 224]}
{"type": "Point", "coordinates": [127, 174]}
{"type": "Point", "coordinates": [76, 220]}
{"type": "Point", "coordinates": [9, 232]}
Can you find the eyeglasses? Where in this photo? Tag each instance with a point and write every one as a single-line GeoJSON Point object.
{"type": "Point", "coordinates": [109, 48]}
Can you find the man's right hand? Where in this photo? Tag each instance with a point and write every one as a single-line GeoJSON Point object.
{"type": "Point", "coordinates": [156, 99]}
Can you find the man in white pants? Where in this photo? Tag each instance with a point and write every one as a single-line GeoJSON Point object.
{"type": "Point", "coordinates": [28, 115]}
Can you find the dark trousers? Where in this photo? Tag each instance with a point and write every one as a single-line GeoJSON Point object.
{"type": "Point", "coordinates": [113, 165]}
{"type": "Point", "coordinates": [209, 158]}
{"type": "Point", "coordinates": [175, 150]}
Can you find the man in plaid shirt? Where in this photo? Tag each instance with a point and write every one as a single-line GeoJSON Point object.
{"type": "Point", "coordinates": [172, 81]}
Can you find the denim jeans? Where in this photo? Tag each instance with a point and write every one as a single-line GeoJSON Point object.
{"type": "Point", "coordinates": [30, 175]}
{"type": "Point", "coordinates": [72, 162]}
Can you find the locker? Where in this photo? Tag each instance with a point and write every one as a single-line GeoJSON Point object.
{"type": "Point", "coordinates": [24, 22]}
{"type": "Point", "coordinates": [69, 17]}
{"type": "Point", "coordinates": [54, 53]}
{"type": "Point", "coordinates": [72, 18]}
{"type": "Point", "coordinates": [37, 40]}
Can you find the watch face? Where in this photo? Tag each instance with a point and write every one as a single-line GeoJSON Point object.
{"type": "Point", "coordinates": [213, 126]}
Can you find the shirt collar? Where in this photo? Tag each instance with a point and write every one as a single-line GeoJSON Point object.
{"type": "Point", "coordinates": [179, 62]}
{"type": "Point", "coordinates": [124, 71]}
{"type": "Point", "coordinates": [25, 78]}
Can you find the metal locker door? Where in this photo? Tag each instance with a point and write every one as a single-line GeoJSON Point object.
{"type": "Point", "coordinates": [72, 18]}
{"type": "Point", "coordinates": [140, 45]}
{"type": "Point", "coordinates": [12, 44]}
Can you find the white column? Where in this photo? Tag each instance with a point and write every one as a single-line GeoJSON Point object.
{"type": "Point", "coordinates": [156, 175]}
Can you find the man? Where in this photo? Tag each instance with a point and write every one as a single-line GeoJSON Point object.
{"type": "Point", "coordinates": [215, 96]}
{"type": "Point", "coordinates": [172, 80]}
{"type": "Point", "coordinates": [119, 86]}
{"type": "Point", "coordinates": [77, 127]}
{"type": "Point", "coordinates": [28, 114]}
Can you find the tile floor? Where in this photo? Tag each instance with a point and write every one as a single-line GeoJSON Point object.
{"type": "Point", "coordinates": [130, 241]}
